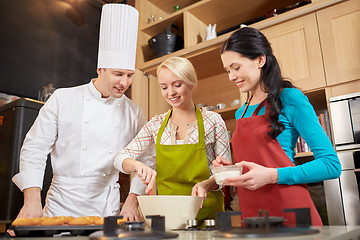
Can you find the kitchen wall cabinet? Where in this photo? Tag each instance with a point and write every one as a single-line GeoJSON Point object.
{"type": "Point", "coordinates": [339, 30]}
{"type": "Point", "coordinates": [296, 45]}
{"type": "Point", "coordinates": [296, 37]}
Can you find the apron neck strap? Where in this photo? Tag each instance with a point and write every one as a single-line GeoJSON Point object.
{"type": "Point", "coordinates": [261, 105]}
{"type": "Point", "coordinates": [200, 124]}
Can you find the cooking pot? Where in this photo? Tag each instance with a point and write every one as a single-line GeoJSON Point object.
{"type": "Point", "coordinates": [167, 42]}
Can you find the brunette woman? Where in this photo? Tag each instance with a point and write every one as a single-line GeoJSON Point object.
{"type": "Point", "coordinates": [267, 129]}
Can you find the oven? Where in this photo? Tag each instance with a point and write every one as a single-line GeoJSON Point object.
{"type": "Point", "coordinates": [343, 194]}
{"type": "Point", "coordinates": [345, 119]}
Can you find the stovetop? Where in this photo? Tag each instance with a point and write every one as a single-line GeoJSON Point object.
{"type": "Point", "coordinates": [326, 232]}
{"type": "Point", "coordinates": [260, 227]}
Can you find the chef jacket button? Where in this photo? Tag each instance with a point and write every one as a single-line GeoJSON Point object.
{"type": "Point", "coordinates": [110, 151]}
{"type": "Point", "coordinates": [84, 148]}
{"type": "Point", "coordinates": [86, 121]}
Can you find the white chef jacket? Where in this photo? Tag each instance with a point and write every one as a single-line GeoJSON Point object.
{"type": "Point", "coordinates": [83, 132]}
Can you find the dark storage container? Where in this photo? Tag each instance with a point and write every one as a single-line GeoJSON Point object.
{"type": "Point", "coordinates": [16, 119]}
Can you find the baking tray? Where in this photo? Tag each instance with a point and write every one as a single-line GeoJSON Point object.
{"type": "Point", "coordinates": [60, 230]}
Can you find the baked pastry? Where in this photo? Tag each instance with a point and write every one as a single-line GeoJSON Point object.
{"type": "Point", "coordinates": [66, 219]}
{"type": "Point", "coordinates": [51, 221]}
{"type": "Point", "coordinates": [93, 219]}
{"type": "Point", "coordinates": [99, 221]}
{"type": "Point", "coordinates": [79, 221]}
{"type": "Point", "coordinates": [122, 220]}
{"type": "Point", "coordinates": [36, 221]}
{"type": "Point", "coordinates": [23, 222]}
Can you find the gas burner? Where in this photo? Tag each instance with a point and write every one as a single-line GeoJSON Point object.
{"type": "Point", "coordinates": [133, 229]}
{"type": "Point", "coordinates": [191, 225]}
{"type": "Point", "coordinates": [266, 226]}
{"type": "Point", "coordinates": [266, 221]}
{"type": "Point", "coordinates": [134, 226]}
{"type": "Point", "coordinates": [209, 224]}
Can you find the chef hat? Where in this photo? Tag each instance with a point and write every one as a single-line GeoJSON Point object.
{"type": "Point", "coordinates": [118, 36]}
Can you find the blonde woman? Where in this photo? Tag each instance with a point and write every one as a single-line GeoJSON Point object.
{"type": "Point", "coordinates": [187, 139]}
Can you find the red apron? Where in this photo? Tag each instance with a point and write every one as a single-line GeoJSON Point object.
{"type": "Point", "coordinates": [252, 143]}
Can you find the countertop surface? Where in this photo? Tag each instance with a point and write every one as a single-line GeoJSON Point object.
{"type": "Point", "coordinates": [326, 232]}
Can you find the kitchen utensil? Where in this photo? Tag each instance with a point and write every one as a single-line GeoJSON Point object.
{"type": "Point", "coordinates": [176, 209]}
{"type": "Point", "coordinates": [210, 32]}
{"type": "Point", "coordinates": [222, 172]}
{"type": "Point", "coordinates": [236, 102]}
{"type": "Point", "coordinates": [167, 42]}
{"type": "Point", "coordinates": [43, 231]}
{"type": "Point", "coordinates": [210, 108]}
{"type": "Point", "coordinates": [221, 106]}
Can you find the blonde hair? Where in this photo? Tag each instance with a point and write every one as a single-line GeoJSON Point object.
{"type": "Point", "coordinates": [182, 68]}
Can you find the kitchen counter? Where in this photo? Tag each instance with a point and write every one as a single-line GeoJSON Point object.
{"type": "Point", "coordinates": [326, 232]}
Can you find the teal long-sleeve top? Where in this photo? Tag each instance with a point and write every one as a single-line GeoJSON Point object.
{"type": "Point", "coordinates": [299, 118]}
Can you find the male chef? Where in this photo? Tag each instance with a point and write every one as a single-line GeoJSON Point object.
{"type": "Point", "coordinates": [84, 127]}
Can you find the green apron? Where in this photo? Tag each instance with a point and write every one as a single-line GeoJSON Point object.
{"type": "Point", "coordinates": [180, 167]}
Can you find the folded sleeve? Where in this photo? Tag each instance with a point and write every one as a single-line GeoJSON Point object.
{"type": "Point", "coordinates": [37, 145]}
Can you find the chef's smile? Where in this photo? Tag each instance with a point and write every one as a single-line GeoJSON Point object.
{"type": "Point", "coordinates": [119, 90]}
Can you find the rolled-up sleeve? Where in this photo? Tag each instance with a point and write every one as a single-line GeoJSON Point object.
{"type": "Point", "coordinates": [36, 147]}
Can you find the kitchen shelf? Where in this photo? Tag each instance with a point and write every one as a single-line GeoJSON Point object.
{"type": "Point", "coordinates": [293, 33]}
{"type": "Point", "coordinates": [303, 154]}
{"type": "Point", "coordinates": [205, 12]}
{"type": "Point", "coordinates": [227, 113]}
{"type": "Point", "coordinates": [168, 5]}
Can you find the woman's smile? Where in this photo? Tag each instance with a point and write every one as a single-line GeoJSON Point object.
{"type": "Point", "coordinates": [174, 99]}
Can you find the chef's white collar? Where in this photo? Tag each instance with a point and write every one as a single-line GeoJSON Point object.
{"type": "Point", "coordinates": [98, 94]}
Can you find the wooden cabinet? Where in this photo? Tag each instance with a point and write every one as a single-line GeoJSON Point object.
{"type": "Point", "coordinates": [340, 41]}
{"type": "Point", "coordinates": [296, 45]}
{"type": "Point", "coordinates": [308, 41]}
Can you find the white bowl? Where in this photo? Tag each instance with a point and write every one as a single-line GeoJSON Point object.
{"type": "Point", "coordinates": [176, 209]}
{"type": "Point", "coordinates": [222, 172]}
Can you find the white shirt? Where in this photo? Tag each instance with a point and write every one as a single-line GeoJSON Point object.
{"type": "Point", "coordinates": [83, 132]}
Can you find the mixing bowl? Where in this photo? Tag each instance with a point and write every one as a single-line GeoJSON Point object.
{"type": "Point", "coordinates": [176, 209]}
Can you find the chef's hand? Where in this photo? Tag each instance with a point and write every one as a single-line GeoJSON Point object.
{"type": "Point", "coordinates": [256, 177]}
{"type": "Point", "coordinates": [202, 188]}
{"type": "Point", "coordinates": [32, 207]}
{"type": "Point", "coordinates": [146, 173]}
{"type": "Point", "coordinates": [220, 161]}
{"type": "Point", "coordinates": [130, 209]}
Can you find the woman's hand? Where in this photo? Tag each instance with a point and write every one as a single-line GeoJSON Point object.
{"type": "Point", "coordinates": [220, 161]}
{"type": "Point", "coordinates": [256, 177]}
{"type": "Point", "coordinates": [202, 188]}
{"type": "Point", "coordinates": [147, 175]}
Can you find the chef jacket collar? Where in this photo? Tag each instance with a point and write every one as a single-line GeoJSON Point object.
{"type": "Point", "coordinates": [98, 94]}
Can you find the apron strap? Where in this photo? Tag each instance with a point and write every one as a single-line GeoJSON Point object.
{"type": "Point", "coordinates": [261, 105]}
{"type": "Point", "coordinates": [161, 130]}
{"type": "Point", "coordinates": [200, 124]}
{"type": "Point", "coordinates": [201, 129]}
